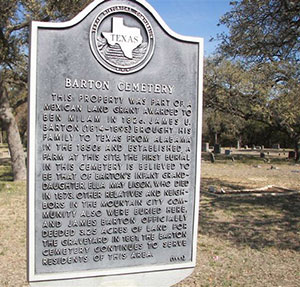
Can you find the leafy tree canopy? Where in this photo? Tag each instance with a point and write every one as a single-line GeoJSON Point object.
{"type": "Point", "coordinates": [15, 18]}
{"type": "Point", "coordinates": [252, 93]}
{"type": "Point", "coordinates": [262, 30]}
{"type": "Point", "coordinates": [257, 77]}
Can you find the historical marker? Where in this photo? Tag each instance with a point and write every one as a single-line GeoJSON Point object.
{"type": "Point", "coordinates": [114, 153]}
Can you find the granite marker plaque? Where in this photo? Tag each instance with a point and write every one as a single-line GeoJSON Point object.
{"type": "Point", "coordinates": [114, 153]}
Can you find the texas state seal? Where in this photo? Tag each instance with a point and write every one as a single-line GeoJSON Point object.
{"type": "Point", "coordinates": [122, 39]}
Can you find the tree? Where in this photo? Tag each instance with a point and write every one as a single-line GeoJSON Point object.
{"type": "Point", "coordinates": [263, 43]}
{"type": "Point", "coordinates": [15, 18]}
{"type": "Point", "coordinates": [262, 30]}
{"type": "Point", "coordinates": [221, 127]}
{"type": "Point", "coordinates": [251, 94]}
{"type": "Point", "coordinates": [13, 138]}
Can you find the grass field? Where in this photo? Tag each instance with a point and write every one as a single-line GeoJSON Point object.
{"type": "Point", "coordinates": [243, 240]}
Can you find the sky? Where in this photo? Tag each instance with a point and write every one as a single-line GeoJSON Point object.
{"type": "Point", "coordinates": [193, 18]}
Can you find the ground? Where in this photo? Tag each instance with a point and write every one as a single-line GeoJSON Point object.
{"type": "Point", "coordinates": [243, 240]}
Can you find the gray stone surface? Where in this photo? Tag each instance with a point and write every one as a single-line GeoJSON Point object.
{"type": "Point", "coordinates": [217, 148]}
{"type": "Point", "coordinates": [212, 157]}
{"type": "Point", "coordinates": [292, 155]}
{"type": "Point", "coordinates": [114, 163]}
{"type": "Point", "coordinates": [205, 147]}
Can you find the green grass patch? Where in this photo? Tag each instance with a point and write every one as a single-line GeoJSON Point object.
{"type": "Point", "coordinates": [5, 174]}
{"type": "Point", "coordinates": [7, 185]}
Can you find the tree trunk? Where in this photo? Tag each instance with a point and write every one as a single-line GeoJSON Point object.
{"type": "Point", "coordinates": [297, 156]}
{"type": "Point", "coordinates": [13, 136]}
{"type": "Point", "coordinates": [216, 138]}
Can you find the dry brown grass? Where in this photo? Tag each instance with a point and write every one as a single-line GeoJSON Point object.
{"type": "Point", "coordinates": [249, 240]}
{"type": "Point", "coordinates": [243, 241]}
{"type": "Point", "coordinates": [12, 235]}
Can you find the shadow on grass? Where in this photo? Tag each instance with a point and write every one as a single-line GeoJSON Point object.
{"type": "Point", "coordinates": [242, 158]}
{"type": "Point", "coordinates": [257, 222]}
{"type": "Point", "coordinates": [248, 158]}
{"type": "Point", "coordinates": [5, 170]}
